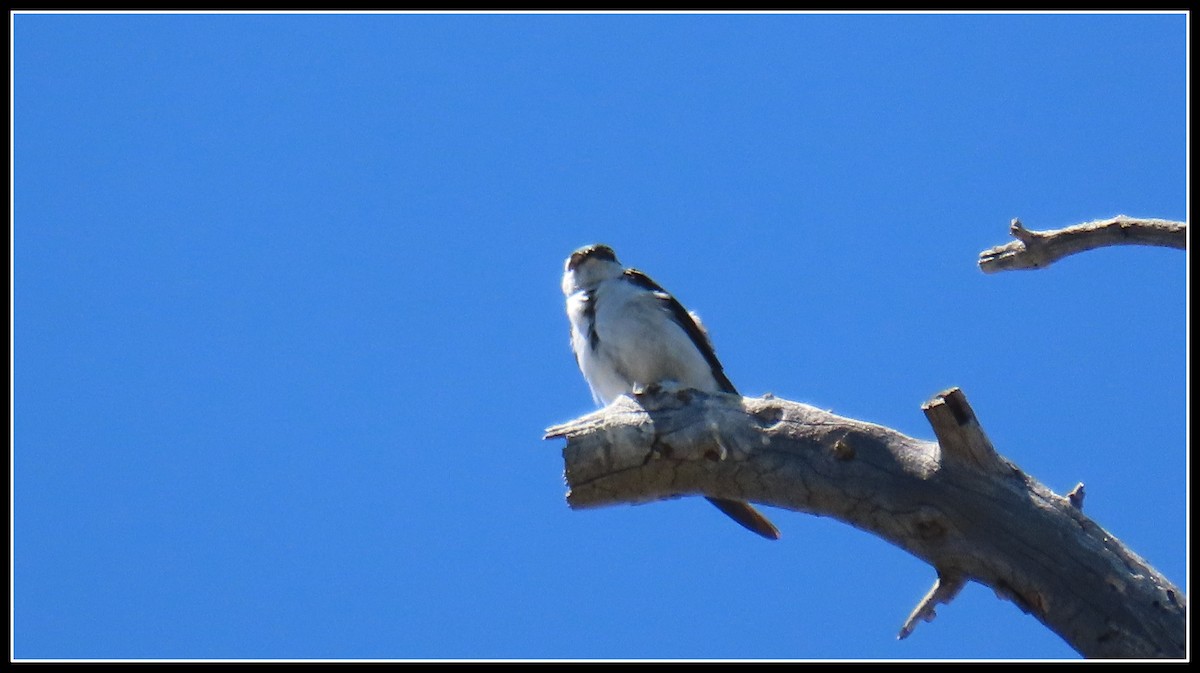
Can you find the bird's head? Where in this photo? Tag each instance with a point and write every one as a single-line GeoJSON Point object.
{"type": "Point", "coordinates": [589, 265]}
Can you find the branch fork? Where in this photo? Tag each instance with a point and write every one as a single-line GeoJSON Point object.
{"type": "Point", "coordinates": [955, 503]}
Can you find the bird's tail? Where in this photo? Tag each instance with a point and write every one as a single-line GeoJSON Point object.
{"type": "Point", "coordinates": [745, 514]}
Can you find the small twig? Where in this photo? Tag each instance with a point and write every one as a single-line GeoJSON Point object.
{"type": "Point", "coordinates": [1039, 249]}
{"type": "Point", "coordinates": [945, 588]}
{"type": "Point", "coordinates": [1076, 496]}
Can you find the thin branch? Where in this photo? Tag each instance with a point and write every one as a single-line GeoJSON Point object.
{"type": "Point", "coordinates": [1039, 249]}
{"type": "Point", "coordinates": [957, 505]}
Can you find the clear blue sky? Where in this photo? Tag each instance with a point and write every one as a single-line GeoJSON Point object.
{"type": "Point", "coordinates": [288, 326]}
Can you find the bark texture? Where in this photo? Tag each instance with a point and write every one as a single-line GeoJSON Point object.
{"type": "Point", "coordinates": [1039, 249]}
{"type": "Point", "coordinates": [954, 503]}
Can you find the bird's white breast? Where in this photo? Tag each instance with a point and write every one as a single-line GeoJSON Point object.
{"type": "Point", "coordinates": [638, 343]}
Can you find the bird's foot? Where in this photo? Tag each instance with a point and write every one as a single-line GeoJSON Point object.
{"type": "Point", "coordinates": [656, 388]}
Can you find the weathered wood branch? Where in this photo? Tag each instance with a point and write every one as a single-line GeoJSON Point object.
{"type": "Point", "coordinates": [954, 503]}
{"type": "Point", "coordinates": [1039, 249]}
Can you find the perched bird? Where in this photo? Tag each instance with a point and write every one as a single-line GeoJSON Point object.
{"type": "Point", "coordinates": [628, 334]}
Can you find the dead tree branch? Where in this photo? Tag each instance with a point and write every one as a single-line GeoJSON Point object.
{"type": "Point", "coordinates": [954, 503]}
{"type": "Point", "coordinates": [1039, 249]}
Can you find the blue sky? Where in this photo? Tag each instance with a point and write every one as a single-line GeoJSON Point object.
{"type": "Point", "coordinates": [288, 327]}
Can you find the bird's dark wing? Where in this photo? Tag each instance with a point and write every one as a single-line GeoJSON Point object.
{"type": "Point", "coordinates": [685, 320]}
{"type": "Point", "coordinates": [741, 512]}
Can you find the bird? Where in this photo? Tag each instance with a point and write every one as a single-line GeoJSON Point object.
{"type": "Point", "coordinates": [629, 334]}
